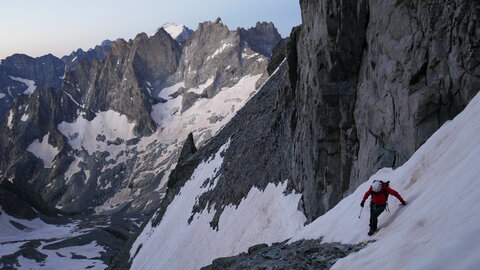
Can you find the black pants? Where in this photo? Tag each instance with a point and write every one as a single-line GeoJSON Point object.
{"type": "Point", "coordinates": [375, 211]}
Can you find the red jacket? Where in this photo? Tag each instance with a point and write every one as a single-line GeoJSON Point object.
{"type": "Point", "coordinates": [380, 198]}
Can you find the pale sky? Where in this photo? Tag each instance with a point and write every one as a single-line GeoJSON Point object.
{"type": "Point", "coordinates": [39, 27]}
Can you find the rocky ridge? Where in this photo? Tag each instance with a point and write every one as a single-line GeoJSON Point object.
{"type": "Point", "coordinates": [305, 254]}
{"type": "Point", "coordinates": [98, 52]}
{"type": "Point", "coordinates": [21, 74]}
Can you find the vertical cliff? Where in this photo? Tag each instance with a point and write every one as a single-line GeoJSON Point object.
{"type": "Point", "coordinates": [374, 79]}
{"type": "Point", "coordinates": [329, 47]}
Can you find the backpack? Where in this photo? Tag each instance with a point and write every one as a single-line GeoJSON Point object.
{"type": "Point", "coordinates": [384, 186]}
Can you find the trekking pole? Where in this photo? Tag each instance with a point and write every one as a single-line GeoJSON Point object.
{"type": "Point", "coordinates": [360, 212]}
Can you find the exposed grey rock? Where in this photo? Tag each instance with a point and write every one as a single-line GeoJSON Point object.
{"type": "Point", "coordinates": [188, 148]}
{"type": "Point", "coordinates": [221, 57]}
{"type": "Point", "coordinates": [306, 254]}
{"type": "Point", "coordinates": [21, 171]}
{"type": "Point", "coordinates": [329, 50]}
{"type": "Point", "coordinates": [124, 79]}
{"type": "Point", "coordinates": [373, 81]}
{"type": "Point", "coordinates": [279, 53]}
{"type": "Point", "coordinates": [413, 78]}
{"type": "Point", "coordinates": [262, 38]}
{"type": "Point", "coordinates": [98, 53]}
{"type": "Point", "coordinates": [45, 71]}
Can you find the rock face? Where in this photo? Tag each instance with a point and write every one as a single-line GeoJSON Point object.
{"type": "Point", "coordinates": [122, 81]}
{"type": "Point", "coordinates": [33, 117]}
{"type": "Point", "coordinates": [20, 73]}
{"type": "Point", "coordinates": [329, 49]}
{"type": "Point", "coordinates": [413, 78]}
{"type": "Point", "coordinates": [262, 38]}
{"type": "Point", "coordinates": [383, 77]}
{"type": "Point", "coordinates": [306, 254]}
{"type": "Point", "coordinates": [219, 57]}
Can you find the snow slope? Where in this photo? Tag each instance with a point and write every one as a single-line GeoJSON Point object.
{"type": "Point", "coordinates": [440, 226]}
{"type": "Point", "coordinates": [262, 217]}
{"type": "Point", "coordinates": [44, 151]}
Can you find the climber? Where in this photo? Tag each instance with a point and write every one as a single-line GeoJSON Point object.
{"type": "Point", "coordinates": [379, 191]}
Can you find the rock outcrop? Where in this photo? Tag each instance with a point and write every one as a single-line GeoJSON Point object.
{"type": "Point", "coordinates": [306, 254]}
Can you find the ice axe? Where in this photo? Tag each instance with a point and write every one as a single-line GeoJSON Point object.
{"type": "Point", "coordinates": [360, 212]}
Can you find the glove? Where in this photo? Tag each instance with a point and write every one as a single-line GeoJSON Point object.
{"type": "Point", "coordinates": [362, 204]}
{"type": "Point", "coordinates": [404, 203]}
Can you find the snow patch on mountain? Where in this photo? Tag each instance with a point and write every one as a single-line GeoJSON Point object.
{"type": "Point", "coordinates": [262, 217]}
{"type": "Point", "coordinates": [25, 117]}
{"type": "Point", "coordinates": [12, 238]}
{"type": "Point", "coordinates": [222, 48]}
{"type": "Point", "coordinates": [167, 91]}
{"type": "Point", "coordinates": [178, 32]}
{"type": "Point", "coordinates": [84, 134]}
{"type": "Point", "coordinates": [174, 30]}
{"type": "Point", "coordinates": [2, 95]}
{"type": "Point", "coordinates": [43, 150]}
{"type": "Point", "coordinates": [29, 83]}
{"type": "Point", "coordinates": [9, 119]}
{"type": "Point", "coordinates": [441, 183]}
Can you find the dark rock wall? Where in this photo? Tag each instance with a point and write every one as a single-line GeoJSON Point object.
{"type": "Point", "coordinates": [21, 171]}
{"type": "Point", "coordinates": [329, 49]}
{"type": "Point", "coordinates": [262, 38]}
{"type": "Point", "coordinates": [420, 69]}
{"type": "Point", "coordinates": [45, 71]}
{"type": "Point", "coordinates": [122, 80]}
{"type": "Point", "coordinates": [374, 80]}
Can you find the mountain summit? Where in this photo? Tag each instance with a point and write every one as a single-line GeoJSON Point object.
{"type": "Point", "coordinates": [179, 32]}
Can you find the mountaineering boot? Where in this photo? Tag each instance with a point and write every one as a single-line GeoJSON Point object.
{"type": "Point", "coordinates": [371, 232]}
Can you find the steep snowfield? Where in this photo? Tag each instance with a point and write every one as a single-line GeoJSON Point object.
{"type": "Point", "coordinates": [440, 226]}
{"type": "Point", "coordinates": [262, 217]}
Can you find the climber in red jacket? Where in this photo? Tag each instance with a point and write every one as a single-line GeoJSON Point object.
{"type": "Point", "coordinates": [379, 191]}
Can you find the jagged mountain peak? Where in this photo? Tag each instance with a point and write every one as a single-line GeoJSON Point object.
{"type": "Point", "coordinates": [262, 38]}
